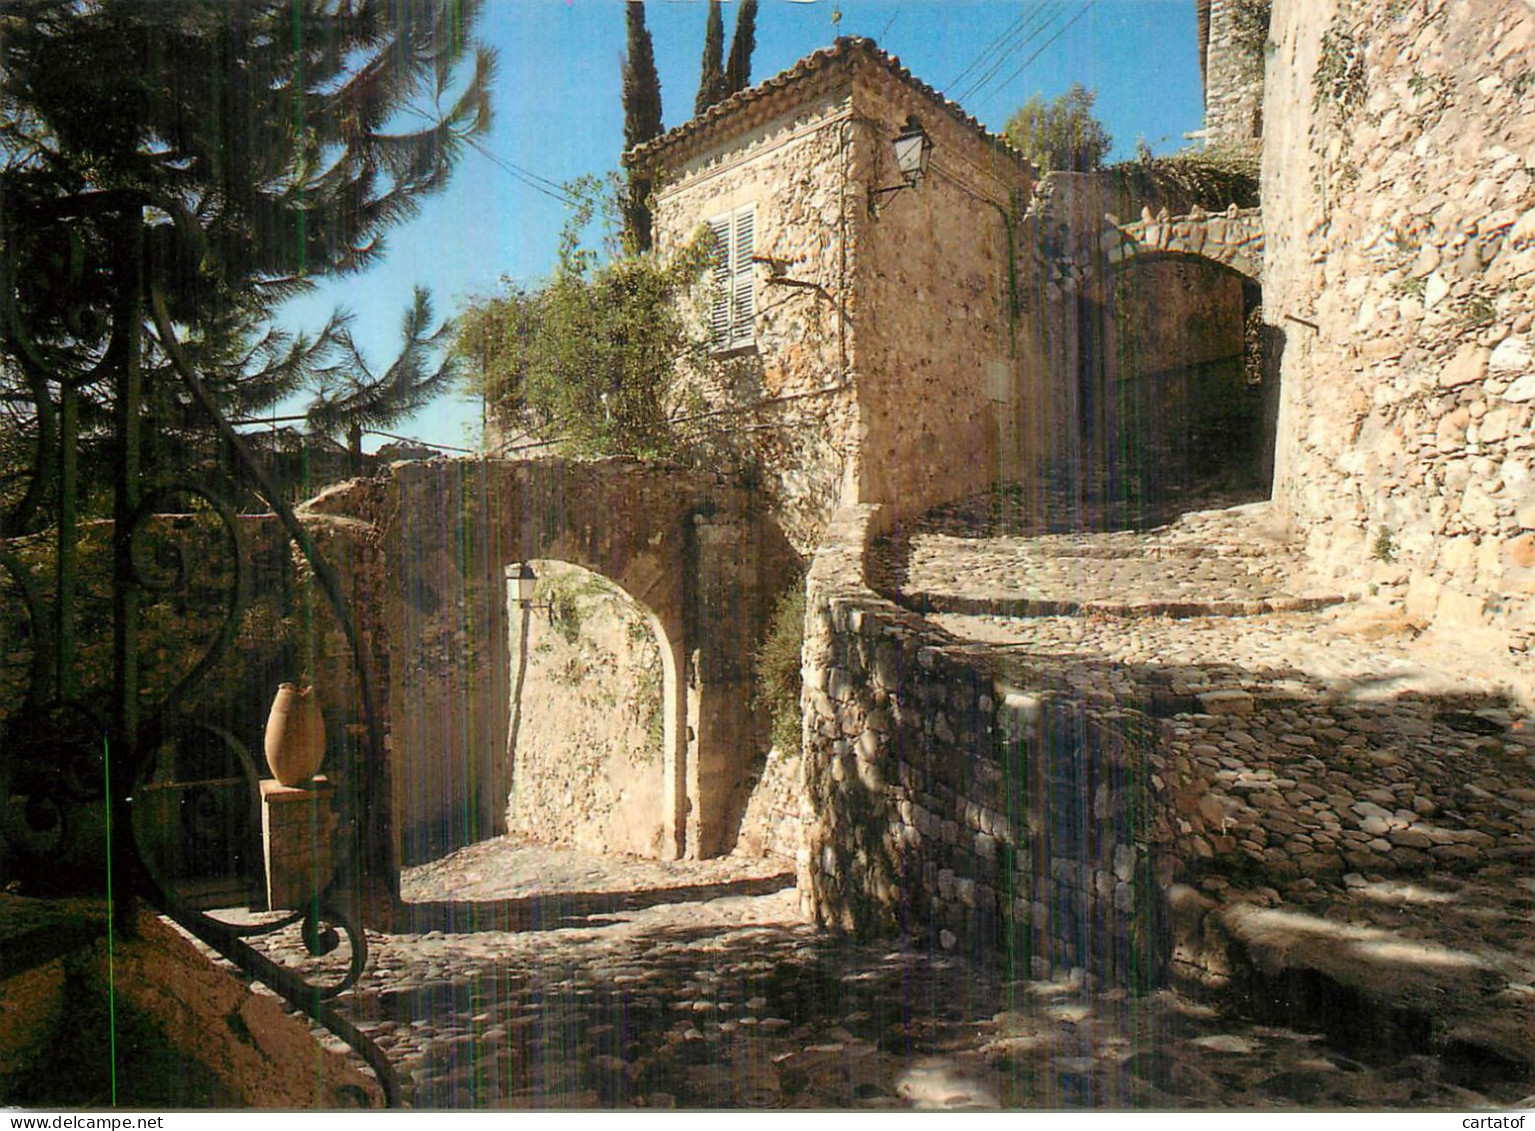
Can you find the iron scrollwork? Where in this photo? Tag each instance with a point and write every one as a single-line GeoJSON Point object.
{"type": "Point", "coordinates": [82, 749]}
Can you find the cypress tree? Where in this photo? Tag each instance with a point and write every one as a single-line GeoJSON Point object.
{"type": "Point", "coordinates": [711, 81]}
{"type": "Point", "coordinates": [738, 72]}
{"type": "Point", "coordinates": [642, 119]}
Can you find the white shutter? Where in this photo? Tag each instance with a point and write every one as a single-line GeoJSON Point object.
{"type": "Point", "coordinates": [732, 303]}
{"type": "Point", "coordinates": [741, 297]}
{"type": "Point", "coordinates": [720, 284]}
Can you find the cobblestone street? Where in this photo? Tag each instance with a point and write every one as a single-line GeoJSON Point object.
{"type": "Point", "coordinates": [701, 988]}
{"type": "Point", "coordinates": [1370, 795]}
{"type": "Point", "coordinates": [1344, 770]}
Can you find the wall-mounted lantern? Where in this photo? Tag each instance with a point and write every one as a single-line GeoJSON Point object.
{"type": "Point", "coordinates": [913, 149]}
{"type": "Point", "coordinates": [523, 582]}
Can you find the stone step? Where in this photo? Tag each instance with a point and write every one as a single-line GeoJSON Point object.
{"type": "Point", "coordinates": [927, 602]}
{"type": "Point", "coordinates": [1412, 988]}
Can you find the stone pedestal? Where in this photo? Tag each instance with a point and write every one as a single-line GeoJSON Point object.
{"type": "Point", "coordinates": [297, 837]}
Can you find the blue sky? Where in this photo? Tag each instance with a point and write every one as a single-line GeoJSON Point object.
{"type": "Point", "coordinates": [558, 116]}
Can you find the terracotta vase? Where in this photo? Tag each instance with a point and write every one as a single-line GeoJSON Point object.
{"type": "Point", "coordinates": [295, 735]}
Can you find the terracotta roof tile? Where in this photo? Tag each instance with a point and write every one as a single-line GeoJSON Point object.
{"type": "Point", "coordinates": [720, 118]}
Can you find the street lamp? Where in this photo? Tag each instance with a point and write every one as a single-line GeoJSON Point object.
{"type": "Point", "coordinates": [913, 149]}
{"type": "Point", "coordinates": [524, 581]}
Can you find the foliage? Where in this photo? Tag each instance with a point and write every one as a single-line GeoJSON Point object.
{"type": "Point", "coordinates": [585, 361]}
{"type": "Point", "coordinates": [1339, 80]}
{"type": "Point", "coordinates": [1061, 133]}
{"type": "Point", "coordinates": [1384, 547]}
{"type": "Point", "coordinates": [778, 669]}
{"type": "Point", "coordinates": [568, 596]}
{"type": "Point", "coordinates": [711, 77]}
{"type": "Point", "coordinates": [738, 70]}
{"type": "Point", "coordinates": [1210, 178]}
{"type": "Point", "coordinates": [1250, 21]}
{"type": "Point", "coordinates": [209, 160]}
{"type": "Point", "coordinates": [642, 120]}
{"type": "Point", "coordinates": [351, 397]}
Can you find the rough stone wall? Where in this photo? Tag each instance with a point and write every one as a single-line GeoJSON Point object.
{"type": "Point", "coordinates": [587, 766]}
{"type": "Point", "coordinates": [941, 380]}
{"type": "Point", "coordinates": [948, 803]}
{"type": "Point", "coordinates": [149, 1022]}
{"type": "Point", "coordinates": [1234, 57]}
{"type": "Point", "coordinates": [1400, 201]}
{"type": "Point", "coordinates": [786, 409]}
{"type": "Point", "coordinates": [773, 822]}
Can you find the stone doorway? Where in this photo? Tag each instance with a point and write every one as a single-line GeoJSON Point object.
{"type": "Point", "coordinates": [588, 715]}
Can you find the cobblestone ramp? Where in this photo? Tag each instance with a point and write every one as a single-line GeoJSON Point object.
{"type": "Point", "coordinates": [1356, 793]}
{"type": "Point", "coordinates": [1225, 562]}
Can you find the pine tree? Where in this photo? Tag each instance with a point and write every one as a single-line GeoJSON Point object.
{"type": "Point", "coordinates": [711, 80]}
{"type": "Point", "coordinates": [177, 170]}
{"type": "Point", "coordinates": [350, 397]}
{"type": "Point", "coordinates": [738, 72]}
{"type": "Point", "coordinates": [642, 120]}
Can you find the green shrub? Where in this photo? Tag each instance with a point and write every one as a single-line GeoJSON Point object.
{"type": "Point", "coordinates": [567, 596]}
{"type": "Point", "coordinates": [586, 360]}
{"type": "Point", "coordinates": [778, 664]}
{"type": "Point", "coordinates": [1210, 178]}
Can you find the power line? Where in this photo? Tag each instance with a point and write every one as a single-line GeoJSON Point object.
{"type": "Point", "coordinates": [554, 190]}
{"type": "Point", "coordinates": [995, 45]}
{"type": "Point", "coordinates": [1090, 6]}
{"type": "Point", "coordinates": [1051, 14]}
{"type": "Point", "coordinates": [523, 175]}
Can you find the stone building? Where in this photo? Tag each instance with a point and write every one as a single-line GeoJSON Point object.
{"type": "Point", "coordinates": [1399, 197]}
{"type": "Point", "coordinates": [1232, 35]}
{"type": "Point", "coordinates": [871, 330]}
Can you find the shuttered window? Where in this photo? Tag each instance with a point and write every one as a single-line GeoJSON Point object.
{"type": "Point", "coordinates": [732, 304]}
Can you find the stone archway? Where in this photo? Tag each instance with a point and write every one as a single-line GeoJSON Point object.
{"type": "Point", "coordinates": [592, 710]}
{"type": "Point", "coordinates": [1170, 407]}
{"type": "Point", "coordinates": [686, 545]}
{"type": "Point", "coordinates": [1234, 237]}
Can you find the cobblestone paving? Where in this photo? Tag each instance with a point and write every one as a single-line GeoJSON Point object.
{"type": "Point", "coordinates": [1219, 561]}
{"type": "Point", "coordinates": [715, 995]}
{"type": "Point", "coordinates": [1338, 763]}
{"type": "Point", "coordinates": [1350, 774]}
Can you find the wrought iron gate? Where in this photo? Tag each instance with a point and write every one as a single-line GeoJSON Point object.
{"type": "Point", "coordinates": [129, 782]}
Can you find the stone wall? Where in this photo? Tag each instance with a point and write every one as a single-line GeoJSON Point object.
{"type": "Point", "coordinates": [149, 1022]}
{"type": "Point", "coordinates": [1399, 195]}
{"type": "Point", "coordinates": [1234, 57]}
{"type": "Point", "coordinates": [587, 721]}
{"type": "Point", "coordinates": [786, 409]}
{"type": "Point", "coordinates": [773, 822]}
{"type": "Point", "coordinates": [942, 381]}
{"type": "Point", "coordinates": [948, 802]}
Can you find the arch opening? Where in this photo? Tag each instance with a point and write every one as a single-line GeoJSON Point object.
{"type": "Point", "coordinates": [1173, 387]}
{"type": "Point", "coordinates": [593, 717]}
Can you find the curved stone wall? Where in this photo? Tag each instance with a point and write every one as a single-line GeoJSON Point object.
{"type": "Point", "coordinates": [951, 801]}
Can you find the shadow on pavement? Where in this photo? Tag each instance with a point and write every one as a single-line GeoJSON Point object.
{"type": "Point", "coordinates": [556, 910]}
